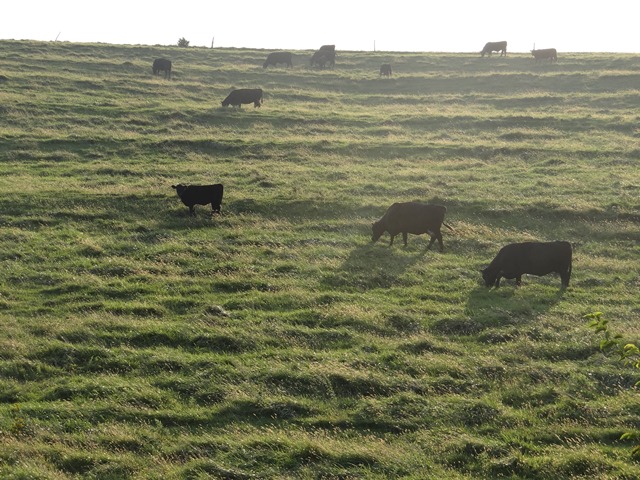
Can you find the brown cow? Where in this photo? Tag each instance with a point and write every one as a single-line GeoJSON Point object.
{"type": "Point", "coordinates": [495, 47]}
{"type": "Point", "coordinates": [411, 217]}
{"type": "Point", "coordinates": [545, 53]}
{"type": "Point", "coordinates": [278, 57]}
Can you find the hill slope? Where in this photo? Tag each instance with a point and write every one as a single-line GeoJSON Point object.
{"type": "Point", "coordinates": [275, 341]}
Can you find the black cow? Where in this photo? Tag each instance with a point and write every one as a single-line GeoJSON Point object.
{"type": "Point", "coordinates": [162, 65]}
{"type": "Point", "coordinates": [495, 47]}
{"type": "Point", "coordinates": [325, 54]}
{"type": "Point", "coordinates": [411, 217]}
{"type": "Point", "coordinates": [545, 53]}
{"type": "Point", "coordinates": [533, 258]}
{"type": "Point", "coordinates": [200, 195]}
{"type": "Point", "coordinates": [278, 57]}
{"type": "Point", "coordinates": [244, 95]}
{"type": "Point", "coordinates": [385, 69]}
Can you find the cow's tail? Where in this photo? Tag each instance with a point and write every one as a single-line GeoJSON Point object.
{"type": "Point", "coordinates": [448, 227]}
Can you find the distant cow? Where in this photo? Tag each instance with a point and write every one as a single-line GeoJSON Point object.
{"type": "Point", "coordinates": [278, 57]}
{"type": "Point", "coordinates": [533, 258]}
{"type": "Point", "coordinates": [385, 69]}
{"type": "Point", "coordinates": [326, 54]}
{"type": "Point", "coordinates": [244, 95]}
{"type": "Point", "coordinates": [192, 195]}
{"type": "Point", "coordinates": [411, 217]}
{"type": "Point", "coordinates": [495, 47]}
{"type": "Point", "coordinates": [162, 65]}
{"type": "Point", "coordinates": [545, 53]}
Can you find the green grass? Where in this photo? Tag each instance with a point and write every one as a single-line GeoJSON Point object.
{"type": "Point", "coordinates": [275, 341]}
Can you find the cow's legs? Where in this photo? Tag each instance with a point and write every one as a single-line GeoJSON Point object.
{"type": "Point", "coordinates": [439, 237]}
{"type": "Point", "coordinates": [192, 211]}
{"type": "Point", "coordinates": [564, 278]}
{"type": "Point", "coordinates": [497, 282]}
{"type": "Point", "coordinates": [404, 238]}
{"type": "Point", "coordinates": [433, 239]}
{"type": "Point", "coordinates": [518, 280]}
{"type": "Point", "coordinates": [391, 242]}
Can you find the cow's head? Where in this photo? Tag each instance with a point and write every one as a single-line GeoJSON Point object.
{"type": "Point", "coordinates": [180, 188]}
{"type": "Point", "coordinates": [489, 276]}
{"type": "Point", "coordinates": [377, 230]}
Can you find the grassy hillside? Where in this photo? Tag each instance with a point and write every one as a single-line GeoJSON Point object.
{"type": "Point", "coordinates": [275, 341]}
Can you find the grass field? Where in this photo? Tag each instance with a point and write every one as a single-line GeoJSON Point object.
{"type": "Point", "coordinates": [276, 341]}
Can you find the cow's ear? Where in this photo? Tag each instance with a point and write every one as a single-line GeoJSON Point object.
{"type": "Point", "coordinates": [174, 186]}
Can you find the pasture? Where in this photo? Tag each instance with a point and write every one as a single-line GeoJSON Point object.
{"type": "Point", "coordinates": [275, 340]}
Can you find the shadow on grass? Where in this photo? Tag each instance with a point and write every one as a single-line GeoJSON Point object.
{"type": "Point", "coordinates": [495, 310]}
{"type": "Point", "coordinates": [371, 266]}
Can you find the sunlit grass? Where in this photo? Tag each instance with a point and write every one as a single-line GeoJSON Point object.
{"type": "Point", "coordinates": [274, 340]}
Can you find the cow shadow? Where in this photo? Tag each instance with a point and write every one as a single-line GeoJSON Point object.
{"type": "Point", "coordinates": [503, 311]}
{"type": "Point", "coordinates": [374, 265]}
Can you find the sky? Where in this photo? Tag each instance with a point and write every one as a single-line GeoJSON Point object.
{"type": "Point", "coordinates": [419, 26]}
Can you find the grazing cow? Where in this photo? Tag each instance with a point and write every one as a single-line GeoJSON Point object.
{"type": "Point", "coordinates": [192, 195]}
{"type": "Point", "coordinates": [411, 217]}
{"type": "Point", "coordinates": [533, 258]}
{"type": "Point", "coordinates": [244, 95]}
{"type": "Point", "coordinates": [278, 57]}
{"type": "Point", "coordinates": [385, 69]}
{"type": "Point", "coordinates": [325, 54]}
{"type": "Point", "coordinates": [162, 65]}
{"type": "Point", "coordinates": [544, 53]}
{"type": "Point", "coordinates": [495, 47]}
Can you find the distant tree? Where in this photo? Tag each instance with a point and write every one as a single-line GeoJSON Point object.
{"type": "Point", "coordinates": [627, 353]}
{"type": "Point", "coordinates": [183, 42]}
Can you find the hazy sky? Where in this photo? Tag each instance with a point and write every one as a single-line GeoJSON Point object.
{"type": "Point", "coordinates": [431, 26]}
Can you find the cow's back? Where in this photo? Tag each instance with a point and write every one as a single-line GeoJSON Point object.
{"type": "Point", "coordinates": [536, 258]}
{"type": "Point", "coordinates": [551, 256]}
{"type": "Point", "coordinates": [413, 217]}
{"type": "Point", "coordinates": [279, 57]}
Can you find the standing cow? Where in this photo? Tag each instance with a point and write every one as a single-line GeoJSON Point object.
{"type": "Point", "coordinates": [274, 58]}
{"type": "Point", "coordinates": [495, 47]}
{"type": "Point", "coordinates": [544, 54]}
{"type": "Point", "coordinates": [533, 258]}
{"type": "Point", "coordinates": [411, 217]}
{"type": "Point", "coordinates": [244, 95]}
{"type": "Point", "coordinates": [385, 70]}
{"type": "Point", "coordinates": [192, 195]}
{"type": "Point", "coordinates": [162, 65]}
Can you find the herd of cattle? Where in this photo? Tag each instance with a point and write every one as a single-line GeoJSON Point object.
{"type": "Point", "coordinates": [512, 261]}
{"type": "Point", "coordinates": [326, 56]}
{"type": "Point", "coordinates": [539, 54]}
